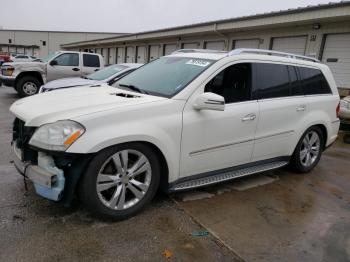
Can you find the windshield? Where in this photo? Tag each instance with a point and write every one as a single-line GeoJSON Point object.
{"type": "Point", "coordinates": [165, 76]}
{"type": "Point", "coordinates": [106, 72]}
{"type": "Point", "coordinates": [48, 57]}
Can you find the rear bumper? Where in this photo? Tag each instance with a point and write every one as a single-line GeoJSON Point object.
{"type": "Point", "coordinates": [7, 80]}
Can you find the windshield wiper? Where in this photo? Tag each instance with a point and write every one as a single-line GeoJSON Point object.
{"type": "Point", "coordinates": [134, 88]}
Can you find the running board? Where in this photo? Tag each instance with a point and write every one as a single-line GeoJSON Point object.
{"type": "Point", "coordinates": [226, 175]}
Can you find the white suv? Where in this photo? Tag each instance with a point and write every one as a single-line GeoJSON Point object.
{"type": "Point", "coordinates": [190, 119]}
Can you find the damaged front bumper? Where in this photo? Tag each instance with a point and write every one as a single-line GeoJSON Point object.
{"type": "Point", "coordinates": [48, 180]}
{"type": "Point", "coordinates": [55, 175]}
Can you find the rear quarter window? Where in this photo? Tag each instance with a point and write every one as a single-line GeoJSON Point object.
{"type": "Point", "coordinates": [313, 81]}
{"type": "Point", "coordinates": [91, 60]}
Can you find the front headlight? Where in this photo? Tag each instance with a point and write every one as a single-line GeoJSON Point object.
{"type": "Point", "coordinates": [8, 71]}
{"type": "Point", "coordinates": [42, 89]}
{"type": "Point", "coordinates": [57, 136]}
{"type": "Point", "coordinates": [344, 104]}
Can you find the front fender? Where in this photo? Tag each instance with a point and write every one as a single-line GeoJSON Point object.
{"type": "Point", "coordinates": [162, 130]}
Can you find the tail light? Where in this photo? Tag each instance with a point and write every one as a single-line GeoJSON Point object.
{"type": "Point", "coordinates": [337, 110]}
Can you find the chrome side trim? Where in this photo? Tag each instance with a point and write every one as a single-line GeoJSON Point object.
{"type": "Point", "coordinates": [219, 147]}
{"type": "Point", "coordinates": [276, 134]}
{"type": "Point", "coordinates": [214, 102]}
{"type": "Point", "coordinates": [228, 175]}
{"type": "Point", "coordinates": [335, 121]}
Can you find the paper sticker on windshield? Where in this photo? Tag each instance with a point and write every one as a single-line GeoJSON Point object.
{"type": "Point", "coordinates": [198, 62]}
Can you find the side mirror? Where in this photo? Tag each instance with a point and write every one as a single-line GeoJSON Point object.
{"type": "Point", "coordinates": [53, 63]}
{"type": "Point", "coordinates": [209, 101]}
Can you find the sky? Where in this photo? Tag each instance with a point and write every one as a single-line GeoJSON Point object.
{"type": "Point", "coordinates": [129, 15]}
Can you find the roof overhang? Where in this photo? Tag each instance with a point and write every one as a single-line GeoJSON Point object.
{"type": "Point", "coordinates": [301, 16]}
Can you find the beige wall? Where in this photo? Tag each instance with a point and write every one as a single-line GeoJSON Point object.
{"type": "Point", "coordinates": [313, 46]}
{"type": "Point", "coordinates": [53, 39]}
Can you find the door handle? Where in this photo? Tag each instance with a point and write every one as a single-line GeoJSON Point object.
{"type": "Point", "coordinates": [76, 69]}
{"type": "Point", "coordinates": [301, 108]}
{"type": "Point", "coordinates": [249, 117]}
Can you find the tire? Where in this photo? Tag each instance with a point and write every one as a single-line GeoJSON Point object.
{"type": "Point", "coordinates": [308, 151]}
{"type": "Point", "coordinates": [105, 182]}
{"type": "Point", "coordinates": [28, 86]}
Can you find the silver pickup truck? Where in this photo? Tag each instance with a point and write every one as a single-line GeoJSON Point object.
{"type": "Point", "coordinates": [27, 77]}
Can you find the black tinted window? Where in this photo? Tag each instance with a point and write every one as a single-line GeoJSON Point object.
{"type": "Point", "coordinates": [91, 60]}
{"type": "Point", "coordinates": [233, 83]}
{"type": "Point", "coordinates": [313, 81]}
{"type": "Point", "coordinates": [295, 86]}
{"type": "Point", "coordinates": [272, 80]}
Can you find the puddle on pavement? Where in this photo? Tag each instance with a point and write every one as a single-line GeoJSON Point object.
{"type": "Point", "coordinates": [242, 184]}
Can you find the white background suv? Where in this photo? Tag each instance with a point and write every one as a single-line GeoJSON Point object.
{"type": "Point", "coordinates": [187, 120]}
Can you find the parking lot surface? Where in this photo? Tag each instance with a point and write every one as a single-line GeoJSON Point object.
{"type": "Point", "coordinates": [275, 216]}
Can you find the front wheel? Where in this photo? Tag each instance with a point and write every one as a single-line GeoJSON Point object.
{"type": "Point", "coordinates": [308, 151]}
{"type": "Point", "coordinates": [120, 181]}
{"type": "Point", "coordinates": [28, 86]}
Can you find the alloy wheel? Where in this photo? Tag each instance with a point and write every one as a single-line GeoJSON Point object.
{"type": "Point", "coordinates": [310, 148]}
{"type": "Point", "coordinates": [124, 179]}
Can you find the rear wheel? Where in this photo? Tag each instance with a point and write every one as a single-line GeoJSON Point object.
{"type": "Point", "coordinates": [308, 151]}
{"type": "Point", "coordinates": [28, 86]}
{"type": "Point", "coordinates": [120, 181]}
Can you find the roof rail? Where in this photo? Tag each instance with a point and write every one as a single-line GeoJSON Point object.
{"type": "Point", "coordinates": [271, 52]}
{"type": "Point", "coordinates": [198, 51]}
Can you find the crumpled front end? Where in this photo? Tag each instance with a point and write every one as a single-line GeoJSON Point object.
{"type": "Point", "coordinates": [54, 175]}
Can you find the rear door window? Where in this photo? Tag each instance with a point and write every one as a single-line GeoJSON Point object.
{"type": "Point", "coordinates": [91, 60]}
{"type": "Point", "coordinates": [313, 81]}
{"type": "Point", "coordinates": [271, 81]}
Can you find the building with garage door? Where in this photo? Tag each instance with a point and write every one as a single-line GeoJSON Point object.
{"type": "Point", "coordinates": [41, 43]}
{"type": "Point", "coordinates": [321, 31]}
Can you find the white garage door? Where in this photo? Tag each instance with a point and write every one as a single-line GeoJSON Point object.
{"type": "Point", "coordinates": [130, 52]}
{"type": "Point", "coordinates": [36, 52]}
{"type": "Point", "coordinates": [190, 45]}
{"type": "Point", "coordinates": [105, 55]}
{"type": "Point", "coordinates": [247, 43]}
{"type": "Point", "coordinates": [169, 48]}
{"type": "Point", "coordinates": [153, 52]}
{"type": "Point", "coordinates": [112, 56]}
{"type": "Point", "coordinates": [28, 51]}
{"type": "Point", "coordinates": [215, 45]}
{"type": "Point", "coordinates": [336, 54]}
{"type": "Point", "coordinates": [141, 54]}
{"type": "Point", "coordinates": [20, 50]}
{"type": "Point", "coordinates": [294, 45]}
{"type": "Point", "coordinates": [120, 55]}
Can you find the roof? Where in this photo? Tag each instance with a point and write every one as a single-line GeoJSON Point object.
{"type": "Point", "coordinates": [215, 24]}
{"type": "Point", "coordinates": [61, 31]}
{"type": "Point", "coordinates": [200, 54]}
{"type": "Point", "coordinates": [246, 53]}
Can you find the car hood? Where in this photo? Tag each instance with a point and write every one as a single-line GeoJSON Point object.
{"type": "Point", "coordinates": [72, 103]}
{"type": "Point", "coordinates": [69, 82]}
{"type": "Point", "coordinates": [26, 64]}
{"type": "Point", "coordinates": [347, 99]}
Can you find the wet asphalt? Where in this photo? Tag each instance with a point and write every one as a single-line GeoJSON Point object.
{"type": "Point", "coordinates": [275, 216]}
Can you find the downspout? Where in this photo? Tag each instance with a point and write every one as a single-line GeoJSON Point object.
{"type": "Point", "coordinates": [222, 35]}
